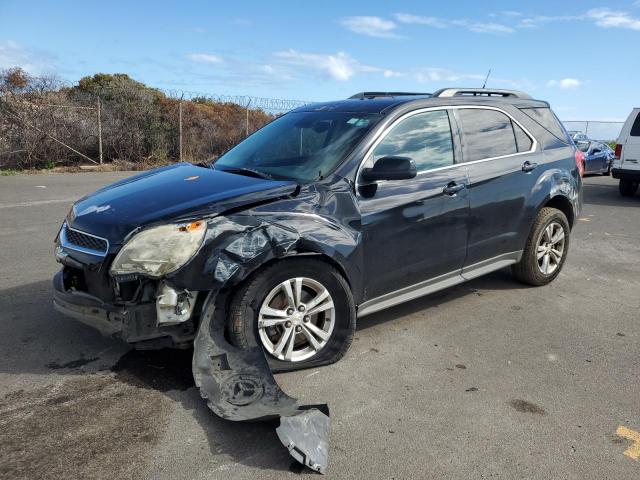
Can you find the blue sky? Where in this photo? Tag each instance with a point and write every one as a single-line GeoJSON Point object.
{"type": "Point", "coordinates": [581, 56]}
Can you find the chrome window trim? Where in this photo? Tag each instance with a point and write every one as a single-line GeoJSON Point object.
{"type": "Point", "coordinates": [385, 132]}
{"type": "Point", "coordinates": [65, 243]}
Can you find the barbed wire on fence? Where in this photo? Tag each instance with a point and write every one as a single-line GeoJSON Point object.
{"type": "Point", "coordinates": [271, 105]}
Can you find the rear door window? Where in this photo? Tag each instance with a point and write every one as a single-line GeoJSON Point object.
{"type": "Point", "coordinates": [523, 141]}
{"type": "Point", "coordinates": [487, 134]}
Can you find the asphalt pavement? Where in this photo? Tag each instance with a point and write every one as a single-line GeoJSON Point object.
{"type": "Point", "coordinates": [489, 379]}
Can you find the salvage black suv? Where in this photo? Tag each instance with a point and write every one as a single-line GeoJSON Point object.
{"type": "Point", "coordinates": [331, 212]}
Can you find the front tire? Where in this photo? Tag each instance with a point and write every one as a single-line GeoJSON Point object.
{"type": "Point", "coordinates": [299, 310]}
{"type": "Point", "coordinates": [628, 188]}
{"type": "Point", "coordinates": [546, 249]}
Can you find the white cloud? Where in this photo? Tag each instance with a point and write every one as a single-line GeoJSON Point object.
{"type": "Point", "coordinates": [340, 66]}
{"type": "Point", "coordinates": [420, 20]}
{"type": "Point", "coordinates": [392, 73]}
{"type": "Point", "coordinates": [601, 17]}
{"type": "Point", "coordinates": [607, 18]}
{"type": "Point", "coordinates": [204, 58]}
{"type": "Point", "coordinates": [371, 26]}
{"type": "Point", "coordinates": [12, 54]}
{"type": "Point", "coordinates": [471, 25]}
{"type": "Point", "coordinates": [434, 74]}
{"type": "Point", "coordinates": [565, 83]}
{"type": "Point", "coordinates": [483, 27]}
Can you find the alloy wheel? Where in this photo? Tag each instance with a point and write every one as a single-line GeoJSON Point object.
{"type": "Point", "coordinates": [550, 248]}
{"type": "Point", "coordinates": [296, 319]}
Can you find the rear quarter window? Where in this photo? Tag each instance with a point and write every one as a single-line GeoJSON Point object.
{"type": "Point", "coordinates": [544, 117]}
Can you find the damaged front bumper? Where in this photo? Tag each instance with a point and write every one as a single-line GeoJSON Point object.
{"type": "Point", "coordinates": [153, 324]}
{"type": "Point", "coordinates": [238, 385]}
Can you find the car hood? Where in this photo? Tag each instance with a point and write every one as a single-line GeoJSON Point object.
{"type": "Point", "coordinates": [167, 194]}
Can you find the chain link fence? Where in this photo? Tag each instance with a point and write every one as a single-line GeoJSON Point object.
{"type": "Point", "coordinates": [45, 122]}
{"type": "Point", "coordinates": [606, 131]}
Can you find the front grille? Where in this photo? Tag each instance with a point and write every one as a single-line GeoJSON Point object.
{"type": "Point", "coordinates": [81, 241]}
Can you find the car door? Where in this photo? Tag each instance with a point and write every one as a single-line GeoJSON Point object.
{"type": "Point", "coordinates": [414, 230]}
{"type": "Point", "coordinates": [504, 165]}
{"type": "Point", "coordinates": [598, 157]}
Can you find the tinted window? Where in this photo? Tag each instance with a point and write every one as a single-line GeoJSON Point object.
{"type": "Point", "coordinates": [635, 129]}
{"type": "Point", "coordinates": [523, 140]}
{"type": "Point", "coordinates": [547, 120]}
{"type": "Point", "coordinates": [487, 133]}
{"type": "Point", "coordinates": [583, 146]}
{"type": "Point", "coordinates": [425, 138]}
{"type": "Point", "coordinates": [299, 145]}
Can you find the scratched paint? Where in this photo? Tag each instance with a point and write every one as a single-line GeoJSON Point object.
{"type": "Point", "coordinates": [634, 450]}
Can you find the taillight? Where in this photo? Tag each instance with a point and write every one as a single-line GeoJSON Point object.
{"type": "Point", "coordinates": [580, 162]}
{"type": "Point", "coordinates": [618, 152]}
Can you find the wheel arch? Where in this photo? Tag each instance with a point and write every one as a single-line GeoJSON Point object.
{"type": "Point", "coordinates": [562, 203]}
{"type": "Point", "coordinates": [299, 253]}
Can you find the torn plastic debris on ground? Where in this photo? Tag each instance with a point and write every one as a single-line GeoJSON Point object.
{"type": "Point", "coordinates": [238, 385]}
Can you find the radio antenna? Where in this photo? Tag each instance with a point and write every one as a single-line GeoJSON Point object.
{"type": "Point", "coordinates": [486, 78]}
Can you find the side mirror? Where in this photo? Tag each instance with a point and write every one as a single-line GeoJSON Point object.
{"type": "Point", "coordinates": [390, 168]}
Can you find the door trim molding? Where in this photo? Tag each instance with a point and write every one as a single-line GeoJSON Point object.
{"type": "Point", "coordinates": [438, 283]}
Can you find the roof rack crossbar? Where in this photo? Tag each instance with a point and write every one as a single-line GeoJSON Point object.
{"type": "Point", "coordinates": [364, 95]}
{"type": "Point", "coordinates": [480, 92]}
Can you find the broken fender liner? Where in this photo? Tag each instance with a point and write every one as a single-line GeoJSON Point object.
{"type": "Point", "coordinates": [239, 386]}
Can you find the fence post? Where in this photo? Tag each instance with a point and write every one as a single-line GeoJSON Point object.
{"type": "Point", "coordinates": [180, 126]}
{"type": "Point", "coordinates": [99, 131]}
{"type": "Point", "coordinates": [247, 119]}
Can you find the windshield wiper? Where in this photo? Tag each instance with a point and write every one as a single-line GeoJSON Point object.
{"type": "Point", "coordinates": [249, 172]}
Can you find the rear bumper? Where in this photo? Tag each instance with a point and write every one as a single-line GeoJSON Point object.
{"type": "Point", "coordinates": [626, 174]}
{"type": "Point", "coordinates": [132, 323]}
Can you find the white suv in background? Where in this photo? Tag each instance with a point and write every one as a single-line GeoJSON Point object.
{"type": "Point", "coordinates": [626, 163]}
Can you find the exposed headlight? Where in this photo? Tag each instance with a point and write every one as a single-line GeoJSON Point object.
{"type": "Point", "coordinates": [160, 250]}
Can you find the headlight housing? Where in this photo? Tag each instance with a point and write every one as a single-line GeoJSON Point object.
{"type": "Point", "coordinates": [160, 250]}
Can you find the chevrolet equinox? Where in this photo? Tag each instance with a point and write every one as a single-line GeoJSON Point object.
{"type": "Point", "coordinates": [329, 213]}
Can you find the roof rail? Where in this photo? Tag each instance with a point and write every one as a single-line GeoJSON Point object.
{"type": "Point", "coordinates": [364, 95]}
{"type": "Point", "coordinates": [480, 92]}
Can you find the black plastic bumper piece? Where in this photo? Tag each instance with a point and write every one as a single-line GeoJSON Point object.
{"type": "Point", "coordinates": [238, 385]}
{"type": "Point", "coordinates": [626, 174]}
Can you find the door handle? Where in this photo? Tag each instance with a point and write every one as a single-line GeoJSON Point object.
{"type": "Point", "coordinates": [452, 188]}
{"type": "Point", "coordinates": [528, 166]}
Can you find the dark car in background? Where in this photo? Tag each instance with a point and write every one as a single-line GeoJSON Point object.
{"type": "Point", "coordinates": [330, 212]}
{"type": "Point", "coordinates": [598, 156]}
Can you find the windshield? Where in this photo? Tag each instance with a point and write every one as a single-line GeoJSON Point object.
{"type": "Point", "coordinates": [583, 146]}
{"type": "Point", "coordinates": [302, 146]}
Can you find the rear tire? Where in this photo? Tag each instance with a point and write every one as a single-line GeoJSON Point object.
{"type": "Point", "coordinates": [546, 249]}
{"type": "Point", "coordinates": [628, 188]}
{"type": "Point", "coordinates": [263, 300]}
{"type": "Point", "coordinates": [607, 172]}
